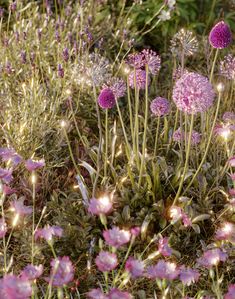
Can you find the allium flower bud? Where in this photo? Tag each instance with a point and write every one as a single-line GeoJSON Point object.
{"type": "Point", "coordinates": [106, 261]}
{"type": "Point", "coordinates": [106, 99]}
{"type": "Point", "coordinates": [220, 36]}
{"type": "Point", "coordinates": [193, 93]}
{"type": "Point", "coordinates": [160, 106]}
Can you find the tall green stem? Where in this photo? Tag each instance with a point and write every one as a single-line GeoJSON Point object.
{"type": "Point", "coordinates": [186, 161]}
{"type": "Point", "coordinates": [145, 128]}
{"type": "Point", "coordinates": [208, 144]}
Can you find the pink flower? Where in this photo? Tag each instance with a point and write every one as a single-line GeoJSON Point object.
{"type": "Point", "coordinates": [231, 292]}
{"type": "Point", "coordinates": [118, 87]}
{"type": "Point", "coordinates": [134, 267]}
{"type": "Point", "coordinates": [116, 237]}
{"type": "Point", "coordinates": [176, 214]}
{"type": "Point", "coordinates": [62, 271]}
{"type": "Point", "coordinates": [106, 261]}
{"type": "Point", "coordinates": [10, 154]}
{"type": "Point", "coordinates": [163, 247]}
{"type": "Point", "coordinates": [18, 207]}
{"type": "Point", "coordinates": [163, 270]}
{"type": "Point", "coordinates": [100, 206]}
{"type": "Point", "coordinates": [188, 275]}
{"type": "Point", "coordinates": [232, 192]}
{"type": "Point", "coordinates": [117, 294]}
{"type": "Point", "coordinates": [48, 232]}
{"type": "Point", "coordinates": [13, 287]}
{"type": "Point", "coordinates": [6, 175]}
{"type": "Point", "coordinates": [135, 231]}
{"type": "Point", "coordinates": [229, 116]}
{"type": "Point", "coordinates": [232, 175]}
{"type": "Point", "coordinates": [3, 228]}
{"type": "Point", "coordinates": [226, 232]}
{"type": "Point", "coordinates": [32, 165]}
{"type": "Point", "coordinates": [32, 272]}
{"type": "Point", "coordinates": [231, 161]}
{"type": "Point", "coordinates": [7, 190]}
{"type": "Point", "coordinates": [96, 294]}
{"type": "Point", "coordinates": [212, 257]}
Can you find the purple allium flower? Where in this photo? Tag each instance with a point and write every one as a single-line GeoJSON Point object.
{"type": "Point", "coordinates": [3, 228]}
{"type": "Point", "coordinates": [118, 87]}
{"type": "Point", "coordinates": [96, 294]}
{"type": "Point", "coordinates": [62, 271]}
{"type": "Point", "coordinates": [106, 99]}
{"type": "Point", "coordinates": [163, 270]}
{"type": "Point", "coordinates": [19, 208]}
{"type": "Point", "coordinates": [10, 154]}
{"type": "Point", "coordinates": [117, 294]}
{"type": "Point", "coordinates": [231, 161]}
{"type": "Point", "coordinates": [32, 272]}
{"type": "Point", "coordinates": [134, 267]}
{"type": "Point", "coordinates": [13, 287]}
{"type": "Point", "coordinates": [152, 60]}
{"type": "Point", "coordinates": [227, 67]}
{"type": "Point", "coordinates": [193, 93]}
{"type": "Point", "coordinates": [226, 232]}
{"type": "Point", "coordinates": [136, 60]}
{"type": "Point", "coordinates": [106, 261]}
{"type": "Point", "coordinates": [163, 247]}
{"type": "Point", "coordinates": [6, 175]}
{"type": "Point", "coordinates": [188, 275]}
{"type": "Point", "coordinates": [220, 36]}
{"type": "Point", "coordinates": [48, 232]}
{"type": "Point", "coordinates": [60, 71]}
{"type": "Point", "coordinates": [179, 136]}
{"type": "Point", "coordinates": [231, 292]}
{"type": "Point", "coordinates": [229, 116]}
{"type": "Point", "coordinates": [140, 77]}
{"type": "Point", "coordinates": [135, 231]}
{"type": "Point", "coordinates": [100, 206]}
{"type": "Point", "coordinates": [146, 57]}
{"type": "Point", "coordinates": [32, 165]}
{"type": "Point", "coordinates": [212, 257]}
{"type": "Point", "coordinates": [65, 54]}
{"type": "Point", "coordinates": [160, 106]}
{"type": "Point", "coordinates": [116, 237]}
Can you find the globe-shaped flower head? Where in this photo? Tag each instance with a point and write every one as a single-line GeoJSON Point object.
{"type": "Point", "coordinates": [193, 93]}
{"type": "Point", "coordinates": [106, 99]}
{"type": "Point", "coordinates": [220, 36]}
{"type": "Point", "coordinates": [160, 106]}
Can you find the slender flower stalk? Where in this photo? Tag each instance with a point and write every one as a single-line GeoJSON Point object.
{"type": "Point", "coordinates": [186, 161]}
{"type": "Point", "coordinates": [145, 129]}
{"type": "Point", "coordinates": [33, 180]}
{"type": "Point", "coordinates": [208, 143]}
